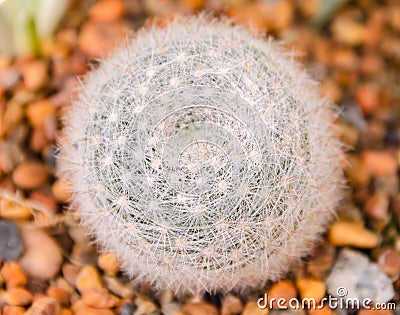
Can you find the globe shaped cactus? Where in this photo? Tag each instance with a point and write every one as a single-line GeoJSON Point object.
{"type": "Point", "coordinates": [202, 156]}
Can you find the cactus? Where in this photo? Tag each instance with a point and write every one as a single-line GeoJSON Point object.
{"type": "Point", "coordinates": [202, 155]}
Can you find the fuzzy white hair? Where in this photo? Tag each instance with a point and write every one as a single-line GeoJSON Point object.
{"type": "Point", "coordinates": [203, 156]}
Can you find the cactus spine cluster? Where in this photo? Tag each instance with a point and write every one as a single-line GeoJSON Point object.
{"type": "Point", "coordinates": [203, 156]}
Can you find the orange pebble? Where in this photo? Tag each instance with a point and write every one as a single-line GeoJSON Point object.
{"type": "Point", "coordinates": [13, 275]}
{"type": "Point", "coordinates": [379, 163]}
{"type": "Point", "coordinates": [107, 11]}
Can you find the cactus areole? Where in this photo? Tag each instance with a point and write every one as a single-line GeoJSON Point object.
{"type": "Point", "coordinates": [203, 156]}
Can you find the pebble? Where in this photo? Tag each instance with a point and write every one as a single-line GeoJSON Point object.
{"type": "Point", "coordinates": [251, 308]}
{"type": "Point", "coordinates": [128, 308]}
{"type": "Point", "coordinates": [99, 298]}
{"type": "Point", "coordinates": [146, 306]}
{"type": "Point", "coordinates": [282, 289]}
{"type": "Point", "coordinates": [311, 288]}
{"type": "Point", "coordinates": [367, 97]}
{"type": "Point", "coordinates": [347, 31]}
{"type": "Point", "coordinates": [118, 288]}
{"type": "Point", "coordinates": [13, 310]}
{"type": "Point", "coordinates": [13, 210]}
{"type": "Point", "coordinates": [93, 311]}
{"type": "Point", "coordinates": [108, 263]}
{"type": "Point", "coordinates": [389, 262]}
{"type": "Point", "coordinates": [166, 296]}
{"type": "Point", "coordinates": [38, 140]}
{"type": "Point", "coordinates": [34, 74]}
{"type": "Point", "coordinates": [342, 233]}
{"type": "Point", "coordinates": [325, 310]}
{"type": "Point", "coordinates": [30, 175]}
{"type": "Point", "coordinates": [97, 40]}
{"type": "Point", "coordinates": [200, 308]}
{"type": "Point", "coordinates": [44, 306]}
{"type": "Point", "coordinates": [377, 206]}
{"type": "Point", "coordinates": [60, 190]}
{"type": "Point", "coordinates": [58, 294]}
{"type": "Point", "coordinates": [107, 10]}
{"type": "Point", "coordinates": [42, 258]}
{"type": "Point", "coordinates": [357, 172]}
{"type": "Point", "coordinates": [18, 296]}
{"type": "Point", "coordinates": [273, 16]}
{"type": "Point", "coordinates": [320, 263]}
{"type": "Point", "coordinates": [65, 311]}
{"type": "Point", "coordinates": [231, 305]}
{"type": "Point", "coordinates": [13, 275]}
{"type": "Point", "coordinates": [70, 273]}
{"type": "Point", "coordinates": [11, 246]}
{"type": "Point", "coordinates": [39, 111]}
{"type": "Point", "coordinates": [379, 163]}
{"type": "Point", "coordinates": [171, 309]}
{"type": "Point", "coordinates": [88, 278]}
{"type": "Point", "coordinates": [360, 277]}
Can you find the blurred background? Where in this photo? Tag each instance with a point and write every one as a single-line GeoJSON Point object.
{"type": "Point", "coordinates": [46, 260]}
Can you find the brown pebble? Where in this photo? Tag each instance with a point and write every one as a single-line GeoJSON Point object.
{"type": "Point", "coordinates": [11, 117]}
{"type": "Point", "coordinates": [377, 206]}
{"type": "Point", "coordinates": [70, 273]}
{"type": "Point", "coordinates": [107, 10]}
{"type": "Point", "coordinates": [342, 233]}
{"type": "Point", "coordinates": [13, 274]}
{"type": "Point", "coordinates": [108, 263]}
{"type": "Point", "coordinates": [231, 305]}
{"type": "Point", "coordinates": [98, 39]}
{"type": "Point", "coordinates": [61, 191]}
{"type": "Point", "coordinates": [201, 308]}
{"type": "Point", "coordinates": [251, 308]}
{"type": "Point", "coordinates": [331, 90]}
{"type": "Point", "coordinates": [93, 311]}
{"type": "Point", "coordinates": [282, 289]}
{"type": "Point", "coordinates": [30, 175]}
{"type": "Point", "coordinates": [44, 306]}
{"type": "Point", "coordinates": [13, 310]}
{"type": "Point", "coordinates": [42, 258]}
{"type": "Point", "coordinates": [379, 163]}
{"type": "Point", "coordinates": [144, 305]}
{"type": "Point", "coordinates": [59, 294]}
{"type": "Point", "coordinates": [310, 288]}
{"type": "Point", "coordinates": [389, 261]}
{"type": "Point", "coordinates": [123, 290]}
{"type": "Point", "coordinates": [18, 296]}
{"type": "Point", "coordinates": [357, 172]}
{"type": "Point", "coordinates": [88, 278]}
{"type": "Point", "coordinates": [99, 298]}
{"type": "Point", "coordinates": [34, 74]}
{"type": "Point", "coordinates": [39, 111]}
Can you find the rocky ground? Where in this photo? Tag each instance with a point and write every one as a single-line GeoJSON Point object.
{"type": "Point", "coordinates": [49, 266]}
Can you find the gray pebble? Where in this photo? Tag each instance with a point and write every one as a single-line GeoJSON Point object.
{"type": "Point", "coordinates": [354, 276]}
{"type": "Point", "coordinates": [11, 247]}
{"type": "Point", "coordinates": [128, 308]}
